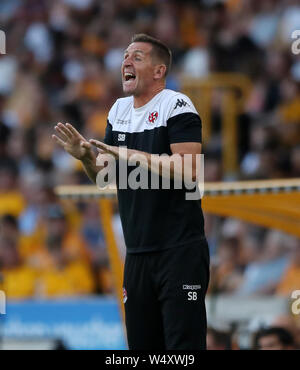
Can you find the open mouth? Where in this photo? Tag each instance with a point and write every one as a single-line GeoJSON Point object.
{"type": "Point", "coordinates": [129, 76]}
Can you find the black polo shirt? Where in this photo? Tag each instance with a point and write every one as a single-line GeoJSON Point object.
{"type": "Point", "coordinates": [156, 219]}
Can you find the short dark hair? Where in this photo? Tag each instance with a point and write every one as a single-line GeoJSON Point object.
{"type": "Point", "coordinates": [221, 338]}
{"type": "Point", "coordinates": [283, 335]}
{"type": "Point", "coordinates": [159, 49]}
{"type": "Point", "coordinates": [9, 219]}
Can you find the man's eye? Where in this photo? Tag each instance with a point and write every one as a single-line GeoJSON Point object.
{"type": "Point", "coordinates": [137, 58]}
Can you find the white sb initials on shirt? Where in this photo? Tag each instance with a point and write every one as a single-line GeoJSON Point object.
{"type": "Point", "coordinates": [192, 296]}
{"type": "Point", "coordinates": [121, 137]}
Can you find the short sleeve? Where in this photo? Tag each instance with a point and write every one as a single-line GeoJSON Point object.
{"type": "Point", "coordinates": [108, 138]}
{"type": "Point", "coordinates": [183, 123]}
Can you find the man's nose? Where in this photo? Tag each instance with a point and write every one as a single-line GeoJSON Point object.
{"type": "Point", "coordinates": [127, 62]}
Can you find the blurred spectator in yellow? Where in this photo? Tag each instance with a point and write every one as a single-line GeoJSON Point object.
{"type": "Point", "coordinates": [16, 279]}
{"type": "Point", "coordinates": [59, 233]}
{"type": "Point", "coordinates": [65, 279]}
{"type": "Point", "coordinates": [11, 200]}
{"type": "Point", "coordinates": [290, 107]}
{"type": "Point", "coordinates": [64, 261]}
{"type": "Point", "coordinates": [291, 278]}
{"type": "Point", "coordinates": [92, 232]}
{"type": "Point", "coordinates": [37, 196]}
{"type": "Point", "coordinates": [273, 338]}
{"type": "Point", "coordinates": [9, 228]}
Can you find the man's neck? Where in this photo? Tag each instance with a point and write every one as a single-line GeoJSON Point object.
{"type": "Point", "coordinates": [139, 101]}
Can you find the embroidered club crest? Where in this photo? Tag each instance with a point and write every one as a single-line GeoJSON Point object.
{"type": "Point", "coordinates": [152, 117]}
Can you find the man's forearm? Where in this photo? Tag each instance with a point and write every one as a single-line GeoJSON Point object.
{"type": "Point", "coordinates": [180, 165]}
{"type": "Point", "coordinates": [164, 165]}
{"type": "Point", "coordinates": [90, 168]}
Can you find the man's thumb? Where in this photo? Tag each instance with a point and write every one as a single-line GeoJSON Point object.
{"type": "Point", "coordinates": [86, 145]}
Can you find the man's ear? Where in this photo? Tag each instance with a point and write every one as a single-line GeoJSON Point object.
{"type": "Point", "coordinates": [159, 71]}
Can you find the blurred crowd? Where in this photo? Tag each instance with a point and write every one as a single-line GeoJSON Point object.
{"type": "Point", "coordinates": [283, 333]}
{"type": "Point", "coordinates": [62, 64]}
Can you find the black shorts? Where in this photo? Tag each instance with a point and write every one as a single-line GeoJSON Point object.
{"type": "Point", "coordinates": [164, 298]}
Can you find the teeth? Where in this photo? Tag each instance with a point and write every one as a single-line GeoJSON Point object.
{"type": "Point", "coordinates": [127, 75]}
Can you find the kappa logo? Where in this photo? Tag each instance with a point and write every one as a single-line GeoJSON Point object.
{"type": "Point", "coordinates": [181, 103]}
{"type": "Point", "coordinates": [191, 287]}
{"type": "Point", "coordinates": [121, 137]}
{"type": "Point", "coordinates": [124, 295]}
{"type": "Point", "coordinates": [192, 296]}
{"type": "Point", "coordinates": [153, 117]}
{"type": "Point", "coordinates": [123, 121]}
